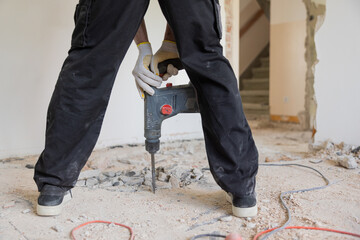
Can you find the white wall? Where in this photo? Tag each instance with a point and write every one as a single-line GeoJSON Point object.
{"type": "Point", "coordinates": [35, 38]}
{"type": "Point", "coordinates": [337, 75]}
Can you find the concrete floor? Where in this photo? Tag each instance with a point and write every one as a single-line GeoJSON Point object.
{"type": "Point", "coordinates": [197, 208]}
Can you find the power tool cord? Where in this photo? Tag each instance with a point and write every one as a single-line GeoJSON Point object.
{"type": "Point", "coordinates": [293, 191]}
{"type": "Point", "coordinates": [72, 234]}
{"type": "Point", "coordinates": [269, 232]}
{"type": "Point", "coordinates": [285, 226]}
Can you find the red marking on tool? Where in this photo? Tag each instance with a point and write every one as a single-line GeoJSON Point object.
{"type": "Point", "coordinates": [169, 85]}
{"type": "Point", "coordinates": [166, 109]}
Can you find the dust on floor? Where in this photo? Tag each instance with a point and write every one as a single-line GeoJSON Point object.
{"type": "Point", "coordinates": [114, 187]}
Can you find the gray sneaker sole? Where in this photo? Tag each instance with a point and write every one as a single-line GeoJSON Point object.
{"type": "Point", "coordinates": [52, 210]}
{"type": "Point", "coordinates": [242, 212]}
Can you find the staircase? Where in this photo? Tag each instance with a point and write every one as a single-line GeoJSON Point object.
{"type": "Point", "coordinates": [255, 90]}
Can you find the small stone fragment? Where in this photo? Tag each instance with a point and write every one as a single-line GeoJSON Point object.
{"type": "Point", "coordinates": [355, 150]}
{"type": "Point", "coordinates": [56, 228]}
{"type": "Point", "coordinates": [315, 161]}
{"type": "Point", "coordinates": [226, 219]}
{"type": "Point", "coordinates": [125, 161]}
{"type": "Point", "coordinates": [319, 224]}
{"type": "Point", "coordinates": [26, 211]}
{"type": "Point", "coordinates": [132, 181]}
{"type": "Point", "coordinates": [102, 178]}
{"type": "Point", "coordinates": [347, 162]}
{"type": "Point", "coordinates": [110, 174]}
{"type": "Point", "coordinates": [130, 173]}
{"type": "Point", "coordinates": [339, 153]}
{"type": "Point", "coordinates": [163, 177]}
{"type": "Point", "coordinates": [250, 225]}
{"type": "Point", "coordinates": [147, 182]}
{"type": "Point", "coordinates": [273, 225]}
{"type": "Point", "coordinates": [163, 185]}
{"type": "Point", "coordinates": [81, 183]}
{"type": "Point", "coordinates": [91, 182]}
{"type": "Point", "coordinates": [329, 146]}
{"type": "Point", "coordinates": [30, 166]}
{"type": "Point", "coordinates": [198, 173]}
{"type": "Point", "coordinates": [340, 145]}
{"type": "Point", "coordinates": [175, 183]}
{"type": "Point", "coordinates": [89, 174]}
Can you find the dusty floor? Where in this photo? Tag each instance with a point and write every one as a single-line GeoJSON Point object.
{"type": "Point", "coordinates": [199, 205]}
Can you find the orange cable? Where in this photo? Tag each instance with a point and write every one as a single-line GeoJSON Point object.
{"type": "Point", "coordinates": [99, 221]}
{"type": "Point", "coordinates": [308, 228]}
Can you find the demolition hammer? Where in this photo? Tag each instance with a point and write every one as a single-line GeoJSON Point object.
{"type": "Point", "coordinates": [165, 103]}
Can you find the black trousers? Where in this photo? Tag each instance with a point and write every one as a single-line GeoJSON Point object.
{"type": "Point", "coordinates": [104, 30]}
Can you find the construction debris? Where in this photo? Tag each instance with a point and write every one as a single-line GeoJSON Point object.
{"type": "Point", "coordinates": [170, 176]}
{"type": "Point", "coordinates": [347, 162]}
{"type": "Point", "coordinates": [26, 211]}
{"type": "Point", "coordinates": [342, 154]}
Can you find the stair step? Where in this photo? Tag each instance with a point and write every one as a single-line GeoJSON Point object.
{"type": "Point", "coordinates": [265, 61]}
{"type": "Point", "coordinates": [256, 108]}
{"type": "Point", "coordinates": [254, 93]}
{"type": "Point", "coordinates": [255, 96]}
{"type": "Point", "coordinates": [256, 84]}
{"type": "Point", "coordinates": [261, 72]}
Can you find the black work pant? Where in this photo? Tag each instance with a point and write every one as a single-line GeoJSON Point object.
{"type": "Point", "coordinates": [104, 30]}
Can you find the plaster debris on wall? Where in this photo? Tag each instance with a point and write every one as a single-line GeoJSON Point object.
{"type": "Point", "coordinates": [315, 17]}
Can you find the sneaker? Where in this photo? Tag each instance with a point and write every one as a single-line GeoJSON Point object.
{"type": "Point", "coordinates": [51, 200]}
{"type": "Point", "coordinates": [244, 206]}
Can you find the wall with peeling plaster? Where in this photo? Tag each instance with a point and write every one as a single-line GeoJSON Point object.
{"type": "Point", "coordinates": [287, 57]}
{"type": "Point", "coordinates": [337, 75]}
{"type": "Point", "coordinates": [34, 42]}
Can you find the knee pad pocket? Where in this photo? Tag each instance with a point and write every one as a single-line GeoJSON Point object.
{"type": "Point", "coordinates": [217, 11]}
{"type": "Point", "coordinates": [81, 19]}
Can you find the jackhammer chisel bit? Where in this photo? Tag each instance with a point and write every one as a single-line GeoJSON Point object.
{"type": "Point", "coordinates": [153, 175]}
{"type": "Point", "coordinates": [165, 103]}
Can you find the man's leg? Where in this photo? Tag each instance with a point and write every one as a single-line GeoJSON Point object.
{"type": "Point", "coordinates": [103, 32]}
{"type": "Point", "coordinates": [230, 147]}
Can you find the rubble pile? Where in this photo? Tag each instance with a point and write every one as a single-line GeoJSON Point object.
{"type": "Point", "coordinates": [347, 156]}
{"type": "Point", "coordinates": [171, 176]}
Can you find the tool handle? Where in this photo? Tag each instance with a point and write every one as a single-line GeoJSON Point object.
{"type": "Point", "coordinates": [174, 61]}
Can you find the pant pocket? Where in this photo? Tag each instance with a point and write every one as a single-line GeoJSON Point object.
{"type": "Point", "coordinates": [217, 11]}
{"type": "Point", "coordinates": [81, 18]}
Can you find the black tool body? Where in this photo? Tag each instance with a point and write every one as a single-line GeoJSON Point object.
{"type": "Point", "coordinates": [165, 103]}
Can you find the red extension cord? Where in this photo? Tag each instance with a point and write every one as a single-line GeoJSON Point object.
{"type": "Point", "coordinates": [132, 236]}
{"type": "Point", "coordinates": [308, 228]}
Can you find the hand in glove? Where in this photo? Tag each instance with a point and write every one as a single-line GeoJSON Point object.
{"type": "Point", "coordinates": [167, 52]}
{"type": "Point", "coordinates": [144, 78]}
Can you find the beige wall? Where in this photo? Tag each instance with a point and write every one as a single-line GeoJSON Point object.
{"type": "Point", "coordinates": [231, 34]}
{"type": "Point", "coordinates": [287, 57]}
